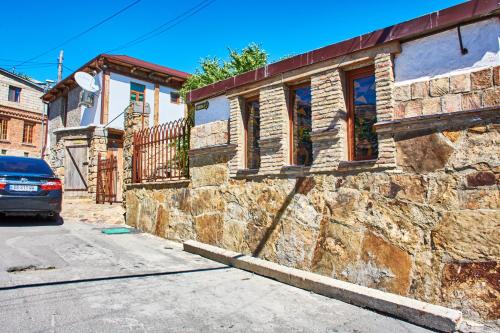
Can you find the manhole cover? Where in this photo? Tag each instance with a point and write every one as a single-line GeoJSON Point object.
{"type": "Point", "coordinates": [117, 231]}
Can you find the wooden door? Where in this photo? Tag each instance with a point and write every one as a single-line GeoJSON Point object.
{"type": "Point", "coordinates": [75, 171]}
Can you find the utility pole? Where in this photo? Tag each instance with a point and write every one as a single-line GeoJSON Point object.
{"type": "Point", "coordinates": [60, 65]}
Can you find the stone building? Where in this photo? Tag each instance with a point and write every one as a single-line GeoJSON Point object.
{"type": "Point", "coordinates": [83, 126]}
{"type": "Point", "coordinates": [375, 160]}
{"type": "Point", "coordinates": [21, 112]}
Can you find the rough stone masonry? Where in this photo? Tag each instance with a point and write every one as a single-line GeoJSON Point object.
{"type": "Point", "coordinates": [423, 220]}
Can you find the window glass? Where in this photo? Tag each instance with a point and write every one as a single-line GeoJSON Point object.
{"type": "Point", "coordinates": [301, 125]}
{"type": "Point", "coordinates": [28, 133]}
{"type": "Point", "coordinates": [24, 165]}
{"type": "Point", "coordinates": [175, 97]}
{"type": "Point", "coordinates": [252, 133]}
{"type": "Point", "coordinates": [365, 142]}
{"type": "Point", "coordinates": [3, 129]}
{"type": "Point", "coordinates": [14, 94]}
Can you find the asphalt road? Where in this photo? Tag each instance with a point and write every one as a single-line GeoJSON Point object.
{"type": "Point", "coordinates": [70, 277]}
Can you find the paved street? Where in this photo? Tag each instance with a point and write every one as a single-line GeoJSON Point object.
{"type": "Point", "coordinates": [70, 277]}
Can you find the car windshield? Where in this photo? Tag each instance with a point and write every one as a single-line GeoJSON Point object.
{"type": "Point", "coordinates": [24, 165]}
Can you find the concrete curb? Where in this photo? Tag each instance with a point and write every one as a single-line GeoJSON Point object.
{"type": "Point", "coordinates": [424, 314]}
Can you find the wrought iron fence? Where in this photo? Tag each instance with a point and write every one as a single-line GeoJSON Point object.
{"type": "Point", "coordinates": [161, 152]}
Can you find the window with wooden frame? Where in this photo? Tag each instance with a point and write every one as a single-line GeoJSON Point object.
{"type": "Point", "coordinates": [175, 98]}
{"type": "Point", "coordinates": [362, 114]}
{"type": "Point", "coordinates": [28, 132]}
{"type": "Point", "coordinates": [251, 125]}
{"type": "Point", "coordinates": [137, 92]}
{"type": "Point", "coordinates": [14, 94]}
{"type": "Point", "coordinates": [3, 128]}
{"type": "Point", "coordinates": [300, 125]}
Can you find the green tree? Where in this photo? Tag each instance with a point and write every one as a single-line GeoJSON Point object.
{"type": "Point", "coordinates": [213, 69]}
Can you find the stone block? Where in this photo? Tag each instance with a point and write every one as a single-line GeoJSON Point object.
{"type": "Point", "coordinates": [460, 83]}
{"type": "Point", "coordinates": [471, 101]}
{"type": "Point", "coordinates": [496, 75]}
{"type": "Point", "coordinates": [482, 79]}
{"type": "Point", "coordinates": [482, 178]}
{"type": "Point", "coordinates": [491, 97]}
{"type": "Point", "coordinates": [413, 108]}
{"type": "Point", "coordinates": [468, 235]}
{"type": "Point", "coordinates": [402, 93]}
{"type": "Point", "coordinates": [420, 90]}
{"type": "Point", "coordinates": [431, 106]}
{"type": "Point", "coordinates": [451, 103]}
{"type": "Point", "coordinates": [440, 86]}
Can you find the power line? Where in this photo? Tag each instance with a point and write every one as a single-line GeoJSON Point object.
{"type": "Point", "coordinates": [166, 26]}
{"type": "Point", "coordinates": [81, 33]}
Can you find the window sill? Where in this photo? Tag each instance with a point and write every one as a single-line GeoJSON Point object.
{"type": "Point", "coordinates": [5, 141]}
{"type": "Point", "coordinates": [28, 145]}
{"type": "Point", "coordinates": [246, 172]}
{"type": "Point", "coordinates": [295, 170]}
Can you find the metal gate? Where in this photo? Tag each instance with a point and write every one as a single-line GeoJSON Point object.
{"type": "Point", "coordinates": [107, 179]}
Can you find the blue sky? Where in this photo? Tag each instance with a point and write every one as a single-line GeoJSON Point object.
{"type": "Point", "coordinates": [30, 27]}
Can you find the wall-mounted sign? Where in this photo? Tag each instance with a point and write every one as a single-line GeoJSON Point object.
{"type": "Point", "coordinates": [202, 106]}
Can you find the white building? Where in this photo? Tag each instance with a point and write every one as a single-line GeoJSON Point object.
{"type": "Point", "coordinates": [77, 117]}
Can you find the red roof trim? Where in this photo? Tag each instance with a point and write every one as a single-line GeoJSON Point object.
{"type": "Point", "coordinates": [124, 59]}
{"type": "Point", "coordinates": [429, 23]}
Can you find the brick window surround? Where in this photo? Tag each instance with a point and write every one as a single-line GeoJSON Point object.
{"type": "Point", "coordinates": [14, 94]}
{"type": "Point", "coordinates": [3, 128]}
{"type": "Point", "coordinates": [28, 132]}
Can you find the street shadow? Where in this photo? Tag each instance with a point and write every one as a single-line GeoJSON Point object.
{"type": "Point", "coordinates": [28, 221]}
{"type": "Point", "coordinates": [112, 278]}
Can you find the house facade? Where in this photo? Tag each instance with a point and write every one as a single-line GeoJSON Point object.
{"type": "Point", "coordinates": [84, 128]}
{"type": "Point", "coordinates": [21, 112]}
{"type": "Point", "coordinates": [375, 160]}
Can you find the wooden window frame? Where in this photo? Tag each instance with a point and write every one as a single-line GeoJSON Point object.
{"type": "Point", "coordinates": [4, 128]}
{"type": "Point", "coordinates": [350, 77]}
{"type": "Point", "coordinates": [246, 118]}
{"type": "Point", "coordinates": [178, 100]}
{"type": "Point", "coordinates": [20, 90]}
{"type": "Point", "coordinates": [291, 130]}
{"type": "Point", "coordinates": [31, 127]}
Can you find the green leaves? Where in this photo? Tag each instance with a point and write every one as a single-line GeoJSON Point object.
{"type": "Point", "coordinates": [213, 69]}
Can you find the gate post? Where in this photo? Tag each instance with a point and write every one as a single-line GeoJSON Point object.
{"type": "Point", "coordinates": [98, 145]}
{"type": "Point", "coordinates": [133, 122]}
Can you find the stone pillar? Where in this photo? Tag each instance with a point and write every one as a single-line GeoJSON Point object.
{"type": "Point", "coordinates": [328, 120]}
{"type": "Point", "coordinates": [132, 123]}
{"type": "Point", "coordinates": [236, 133]}
{"type": "Point", "coordinates": [98, 144]}
{"type": "Point", "coordinates": [384, 81]}
{"type": "Point", "coordinates": [274, 130]}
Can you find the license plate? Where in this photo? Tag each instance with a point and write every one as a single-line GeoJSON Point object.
{"type": "Point", "coordinates": [23, 188]}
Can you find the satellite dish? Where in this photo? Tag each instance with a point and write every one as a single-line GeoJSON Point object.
{"type": "Point", "coordinates": [86, 82]}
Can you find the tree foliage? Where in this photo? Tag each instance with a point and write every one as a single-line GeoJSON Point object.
{"type": "Point", "coordinates": [213, 69]}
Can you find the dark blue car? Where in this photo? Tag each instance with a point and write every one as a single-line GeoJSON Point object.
{"type": "Point", "coordinates": [28, 186]}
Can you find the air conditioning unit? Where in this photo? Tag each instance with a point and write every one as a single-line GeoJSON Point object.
{"type": "Point", "coordinates": [86, 98]}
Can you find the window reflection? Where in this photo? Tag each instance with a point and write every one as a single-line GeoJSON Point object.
{"type": "Point", "coordinates": [252, 130]}
{"type": "Point", "coordinates": [302, 125]}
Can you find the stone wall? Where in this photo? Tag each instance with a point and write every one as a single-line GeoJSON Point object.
{"type": "Point", "coordinates": [466, 91]}
{"type": "Point", "coordinates": [427, 229]}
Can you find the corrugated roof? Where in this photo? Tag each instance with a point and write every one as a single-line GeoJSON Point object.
{"type": "Point", "coordinates": [430, 23]}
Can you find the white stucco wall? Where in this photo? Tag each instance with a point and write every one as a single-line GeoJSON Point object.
{"type": "Point", "coordinates": [119, 97]}
{"type": "Point", "coordinates": [218, 109]}
{"type": "Point", "coordinates": [169, 111]}
{"type": "Point", "coordinates": [440, 54]}
{"type": "Point", "coordinates": [92, 115]}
